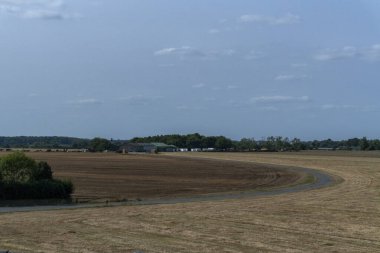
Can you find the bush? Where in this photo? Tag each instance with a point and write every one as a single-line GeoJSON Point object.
{"type": "Point", "coordinates": [43, 171]}
{"type": "Point", "coordinates": [23, 178]}
{"type": "Point", "coordinates": [43, 189]}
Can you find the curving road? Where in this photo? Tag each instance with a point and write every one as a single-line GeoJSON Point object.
{"type": "Point", "coordinates": [320, 180]}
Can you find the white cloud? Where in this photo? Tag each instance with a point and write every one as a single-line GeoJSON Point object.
{"type": "Point", "coordinates": [228, 52]}
{"type": "Point", "coordinates": [360, 108]}
{"type": "Point", "coordinates": [288, 77]}
{"type": "Point", "coordinates": [85, 101]}
{"type": "Point", "coordinates": [183, 107]}
{"type": "Point", "coordinates": [224, 88]}
{"type": "Point", "coordinates": [279, 99]}
{"type": "Point", "coordinates": [181, 51]}
{"type": "Point", "coordinates": [299, 65]}
{"type": "Point", "coordinates": [166, 65]}
{"type": "Point", "coordinates": [253, 55]}
{"type": "Point", "coordinates": [33, 94]}
{"type": "Point", "coordinates": [35, 9]}
{"type": "Point", "coordinates": [370, 53]}
{"type": "Point", "coordinates": [373, 53]}
{"type": "Point", "coordinates": [186, 52]}
{"type": "Point", "coordinates": [335, 54]}
{"type": "Point", "coordinates": [198, 86]}
{"type": "Point", "coordinates": [189, 108]}
{"type": "Point", "coordinates": [43, 14]}
{"type": "Point", "coordinates": [141, 100]}
{"type": "Point", "coordinates": [270, 20]}
{"type": "Point", "coordinates": [269, 108]}
{"type": "Point", "coordinates": [214, 31]}
{"type": "Point", "coordinates": [209, 99]}
{"type": "Point", "coordinates": [232, 87]}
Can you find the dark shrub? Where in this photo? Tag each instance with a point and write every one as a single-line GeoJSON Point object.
{"type": "Point", "coordinates": [22, 177]}
{"type": "Point", "coordinates": [43, 189]}
{"type": "Point", "coordinates": [43, 171]}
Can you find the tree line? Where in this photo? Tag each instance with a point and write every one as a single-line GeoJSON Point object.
{"type": "Point", "coordinates": [279, 143]}
{"type": "Point", "coordinates": [53, 142]}
{"type": "Point", "coordinates": [190, 141]}
{"type": "Point", "coordinates": [272, 143]}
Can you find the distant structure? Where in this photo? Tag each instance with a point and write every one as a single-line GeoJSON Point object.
{"type": "Point", "coordinates": [148, 148]}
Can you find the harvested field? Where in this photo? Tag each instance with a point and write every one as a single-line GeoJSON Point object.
{"type": "Point", "coordinates": [339, 218]}
{"type": "Point", "coordinates": [114, 176]}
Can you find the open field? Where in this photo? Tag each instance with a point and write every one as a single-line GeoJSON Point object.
{"type": "Point", "coordinates": [340, 218]}
{"type": "Point", "coordinates": [111, 176]}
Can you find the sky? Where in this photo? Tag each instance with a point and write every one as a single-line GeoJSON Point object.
{"type": "Point", "coordinates": [242, 68]}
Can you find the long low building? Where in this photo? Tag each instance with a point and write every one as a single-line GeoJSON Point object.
{"type": "Point", "coordinates": [148, 147]}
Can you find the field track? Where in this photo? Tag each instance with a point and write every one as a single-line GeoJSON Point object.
{"type": "Point", "coordinates": [340, 218]}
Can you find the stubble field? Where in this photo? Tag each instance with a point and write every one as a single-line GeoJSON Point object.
{"type": "Point", "coordinates": [339, 218]}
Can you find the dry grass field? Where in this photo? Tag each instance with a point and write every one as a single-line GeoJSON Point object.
{"type": "Point", "coordinates": [344, 217]}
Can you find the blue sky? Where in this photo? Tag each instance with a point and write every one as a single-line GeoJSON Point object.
{"type": "Point", "coordinates": [122, 68]}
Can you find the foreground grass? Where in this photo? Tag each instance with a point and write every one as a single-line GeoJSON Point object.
{"type": "Point", "coordinates": [341, 218]}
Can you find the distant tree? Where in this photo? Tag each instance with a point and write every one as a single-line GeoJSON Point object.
{"type": "Point", "coordinates": [269, 143]}
{"type": "Point", "coordinates": [286, 144]}
{"type": "Point", "coordinates": [223, 143]}
{"type": "Point", "coordinates": [247, 144]}
{"type": "Point", "coordinates": [296, 144]}
{"type": "Point", "coordinates": [208, 142]}
{"type": "Point", "coordinates": [194, 141]}
{"type": "Point", "coordinates": [364, 144]}
{"type": "Point", "coordinates": [353, 143]}
{"type": "Point", "coordinates": [376, 144]}
{"type": "Point", "coordinates": [100, 144]}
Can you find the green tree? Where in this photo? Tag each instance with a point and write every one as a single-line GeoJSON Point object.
{"type": "Point", "coordinates": [296, 144]}
{"type": "Point", "coordinates": [247, 144]}
{"type": "Point", "coordinates": [43, 172]}
{"type": "Point", "coordinates": [194, 141]}
{"type": "Point", "coordinates": [364, 144]}
{"type": "Point", "coordinates": [22, 177]}
{"type": "Point", "coordinates": [17, 167]}
{"type": "Point", "coordinates": [223, 143]}
{"type": "Point", "coordinates": [269, 143]}
{"type": "Point", "coordinates": [100, 144]}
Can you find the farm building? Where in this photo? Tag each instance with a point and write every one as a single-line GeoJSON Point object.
{"type": "Point", "coordinates": [162, 147]}
{"type": "Point", "coordinates": [148, 147]}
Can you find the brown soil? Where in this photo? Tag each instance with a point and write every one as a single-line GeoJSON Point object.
{"type": "Point", "coordinates": [115, 176]}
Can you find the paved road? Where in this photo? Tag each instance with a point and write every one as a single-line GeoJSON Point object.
{"type": "Point", "coordinates": [321, 180]}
